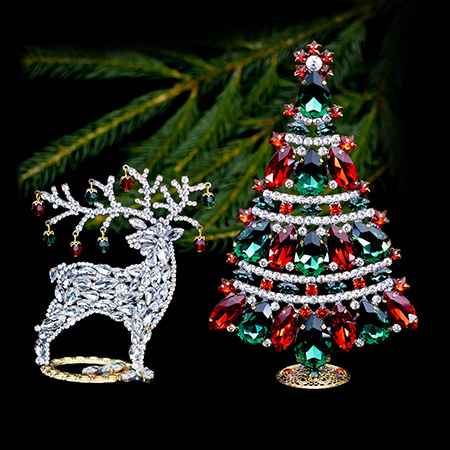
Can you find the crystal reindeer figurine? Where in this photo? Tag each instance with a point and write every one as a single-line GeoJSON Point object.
{"type": "Point", "coordinates": [137, 295]}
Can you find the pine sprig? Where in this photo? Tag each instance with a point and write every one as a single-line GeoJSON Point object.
{"type": "Point", "coordinates": [51, 161]}
{"type": "Point", "coordinates": [77, 63]}
{"type": "Point", "coordinates": [216, 114]}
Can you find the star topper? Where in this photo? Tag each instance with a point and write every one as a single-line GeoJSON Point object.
{"type": "Point", "coordinates": [313, 61]}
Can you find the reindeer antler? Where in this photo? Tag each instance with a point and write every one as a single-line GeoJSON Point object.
{"type": "Point", "coordinates": [175, 208]}
{"type": "Point", "coordinates": [116, 209]}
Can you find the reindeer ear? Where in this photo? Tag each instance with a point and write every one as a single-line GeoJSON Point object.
{"type": "Point", "coordinates": [138, 223]}
{"type": "Point", "coordinates": [175, 233]}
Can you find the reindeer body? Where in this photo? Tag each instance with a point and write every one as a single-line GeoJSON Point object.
{"type": "Point", "coordinates": [137, 295]}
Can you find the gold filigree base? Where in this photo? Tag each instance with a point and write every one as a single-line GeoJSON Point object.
{"type": "Point", "coordinates": [299, 376]}
{"type": "Point", "coordinates": [112, 370]}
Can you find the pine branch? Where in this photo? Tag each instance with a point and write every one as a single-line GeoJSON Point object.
{"type": "Point", "coordinates": [96, 136]}
{"type": "Point", "coordinates": [227, 106]}
{"type": "Point", "coordinates": [68, 62]}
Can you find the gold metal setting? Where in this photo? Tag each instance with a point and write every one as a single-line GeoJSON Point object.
{"type": "Point", "coordinates": [102, 237]}
{"type": "Point", "coordinates": [49, 231]}
{"type": "Point", "coordinates": [51, 369]}
{"type": "Point", "coordinates": [299, 376]}
{"type": "Point", "coordinates": [38, 200]}
{"type": "Point", "coordinates": [75, 242]}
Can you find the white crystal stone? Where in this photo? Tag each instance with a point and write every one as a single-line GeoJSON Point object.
{"type": "Point", "coordinates": [139, 224]}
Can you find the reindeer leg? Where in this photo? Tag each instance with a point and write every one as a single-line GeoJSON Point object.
{"type": "Point", "coordinates": [139, 339]}
{"type": "Point", "coordinates": [57, 319]}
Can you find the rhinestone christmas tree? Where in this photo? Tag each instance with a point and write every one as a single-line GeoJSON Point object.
{"type": "Point", "coordinates": [312, 264]}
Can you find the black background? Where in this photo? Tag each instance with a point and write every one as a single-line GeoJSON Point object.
{"type": "Point", "coordinates": [209, 385]}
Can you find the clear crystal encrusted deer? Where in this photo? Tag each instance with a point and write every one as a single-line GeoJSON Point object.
{"type": "Point", "coordinates": [137, 295]}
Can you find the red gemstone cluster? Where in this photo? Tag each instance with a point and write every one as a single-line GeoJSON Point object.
{"type": "Point", "coordinates": [313, 56]}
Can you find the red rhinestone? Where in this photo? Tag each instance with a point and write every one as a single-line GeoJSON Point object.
{"type": "Point", "coordinates": [400, 285]}
{"type": "Point", "coordinates": [75, 249]}
{"type": "Point", "coordinates": [200, 244]}
{"type": "Point", "coordinates": [285, 208]}
{"type": "Point", "coordinates": [300, 71]}
{"type": "Point", "coordinates": [284, 328]}
{"type": "Point", "coordinates": [347, 143]}
{"type": "Point", "coordinates": [280, 167]}
{"type": "Point", "coordinates": [232, 258]}
{"type": "Point", "coordinates": [380, 218]}
{"type": "Point", "coordinates": [282, 248]}
{"type": "Point", "coordinates": [126, 183]}
{"type": "Point", "coordinates": [327, 56]}
{"type": "Point", "coordinates": [300, 56]}
{"type": "Point", "coordinates": [245, 216]}
{"type": "Point", "coordinates": [335, 209]}
{"type": "Point", "coordinates": [340, 248]}
{"type": "Point", "coordinates": [311, 289]}
{"type": "Point", "coordinates": [343, 329]}
{"type": "Point", "coordinates": [38, 208]}
{"type": "Point", "coordinates": [267, 285]}
{"type": "Point", "coordinates": [400, 310]}
{"type": "Point", "coordinates": [227, 312]}
{"type": "Point", "coordinates": [395, 254]}
{"type": "Point", "coordinates": [227, 287]}
{"type": "Point", "coordinates": [363, 187]}
{"type": "Point", "coordinates": [314, 47]}
{"type": "Point", "coordinates": [304, 312]}
{"type": "Point", "coordinates": [359, 283]}
{"type": "Point", "coordinates": [342, 169]}
{"type": "Point", "coordinates": [259, 185]}
{"type": "Point", "coordinates": [336, 111]}
{"type": "Point", "coordinates": [290, 110]}
{"type": "Point", "coordinates": [278, 139]}
{"type": "Point", "coordinates": [322, 312]}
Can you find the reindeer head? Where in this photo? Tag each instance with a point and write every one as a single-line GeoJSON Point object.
{"type": "Point", "coordinates": [154, 240]}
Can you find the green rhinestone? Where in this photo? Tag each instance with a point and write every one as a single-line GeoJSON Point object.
{"type": "Point", "coordinates": [252, 243]}
{"type": "Point", "coordinates": [264, 203]}
{"type": "Point", "coordinates": [325, 129]}
{"type": "Point", "coordinates": [311, 255]}
{"type": "Point", "coordinates": [335, 287]}
{"type": "Point", "coordinates": [256, 323]}
{"type": "Point", "coordinates": [91, 196]}
{"type": "Point", "coordinates": [299, 128]}
{"type": "Point", "coordinates": [373, 322]}
{"type": "Point", "coordinates": [371, 243]}
{"type": "Point", "coordinates": [381, 275]}
{"type": "Point", "coordinates": [311, 210]}
{"type": "Point", "coordinates": [374, 334]}
{"type": "Point", "coordinates": [311, 174]}
{"type": "Point", "coordinates": [358, 203]}
{"type": "Point", "coordinates": [288, 288]}
{"type": "Point", "coordinates": [103, 245]}
{"type": "Point", "coordinates": [243, 275]}
{"type": "Point", "coordinates": [313, 98]}
{"type": "Point", "coordinates": [48, 238]}
{"type": "Point", "coordinates": [313, 348]}
{"type": "Point", "coordinates": [208, 200]}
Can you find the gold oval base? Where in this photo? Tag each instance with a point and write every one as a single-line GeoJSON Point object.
{"type": "Point", "coordinates": [110, 370]}
{"type": "Point", "coordinates": [299, 376]}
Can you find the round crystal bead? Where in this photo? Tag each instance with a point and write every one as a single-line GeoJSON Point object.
{"type": "Point", "coordinates": [314, 63]}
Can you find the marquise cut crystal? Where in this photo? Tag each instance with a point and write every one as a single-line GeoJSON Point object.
{"type": "Point", "coordinates": [137, 295]}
